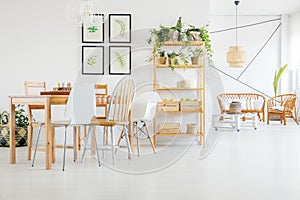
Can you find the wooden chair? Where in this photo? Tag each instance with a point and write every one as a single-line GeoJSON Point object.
{"type": "Point", "coordinates": [33, 88]}
{"type": "Point", "coordinates": [282, 106]}
{"type": "Point", "coordinates": [118, 111]}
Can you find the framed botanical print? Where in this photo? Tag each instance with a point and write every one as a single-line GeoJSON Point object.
{"type": "Point", "coordinates": [119, 60]}
{"type": "Point", "coordinates": [93, 60]}
{"type": "Point", "coordinates": [119, 28]}
{"type": "Point", "coordinates": [93, 32]}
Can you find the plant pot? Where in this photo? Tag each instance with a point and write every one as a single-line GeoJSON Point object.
{"type": "Point", "coordinates": [162, 60]}
{"type": "Point", "coordinates": [195, 36]}
{"type": "Point", "coordinates": [195, 60]}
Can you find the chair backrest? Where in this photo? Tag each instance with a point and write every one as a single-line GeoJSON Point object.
{"type": "Point", "coordinates": [34, 88]}
{"type": "Point", "coordinates": [281, 100]}
{"type": "Point", "coordinates": [101, 89]}
{"type": "Point", "coordinates": [121, 101]}
{"type": "Point", "coordinates": [144, 106]}
{"type": "Point", "coordinates": [81, 105]}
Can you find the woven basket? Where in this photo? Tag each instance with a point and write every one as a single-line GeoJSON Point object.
{"type": "Point", "coordinates": [21, 133]}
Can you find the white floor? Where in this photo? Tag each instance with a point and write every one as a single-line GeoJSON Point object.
{"type": "Point", "coordinates": [261, 164]}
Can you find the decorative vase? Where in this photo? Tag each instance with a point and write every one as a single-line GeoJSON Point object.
{"type": "Point", "coordinates": [235, 107]}
{"type": "Point", "coordinates": [191, 129]}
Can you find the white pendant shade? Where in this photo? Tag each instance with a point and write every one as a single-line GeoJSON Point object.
{"type": "Point", "coordinates": [236, 56]}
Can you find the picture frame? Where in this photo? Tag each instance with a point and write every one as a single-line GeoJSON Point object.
{"type": "Point", "coordinates": [93, 60]}
{"type": "Point", "coordinates": [119, 28]}
{"type": "Point", "coordinates": [120, 60]}
{"type": "Point", "coordinates": [93, 32]}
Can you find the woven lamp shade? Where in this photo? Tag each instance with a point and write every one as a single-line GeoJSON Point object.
{"type": "Point", "coordinates": [236, 56]}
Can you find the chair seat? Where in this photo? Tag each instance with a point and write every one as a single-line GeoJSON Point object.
{"type": "Point", "coordinates": [104, 122]}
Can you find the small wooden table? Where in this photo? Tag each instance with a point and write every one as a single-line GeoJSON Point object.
{"type": "Point", "coordinates": [47, 99]}
{"type": "Point", "coordinates": [234, 119]}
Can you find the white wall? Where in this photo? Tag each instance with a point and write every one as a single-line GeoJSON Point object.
{"type": "Point", "coordinates": [39, 42]}
{"type": "Point", "coordinates": [260, 73]}
{"type": "Point", "coordinates": [294, 44]}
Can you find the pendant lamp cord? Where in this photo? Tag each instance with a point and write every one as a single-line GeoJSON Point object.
{"type": "Point", "coordinates": [236, 37]}
{"type": "Point", "coordinates": [236, 26]}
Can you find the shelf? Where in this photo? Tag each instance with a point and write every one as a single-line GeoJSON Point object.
{"type": "Point", "coordinates": [180, 111]}
{"type": "Point", "coordinates": [179, 88]}
{"type": "Point", "coordinates": [178, 43]}
{"type": "Point", "coordinates": [178, 134]}
{"type": "Point", "coordinates": [178, 66]}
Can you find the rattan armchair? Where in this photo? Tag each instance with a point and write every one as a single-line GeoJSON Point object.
{"type": "Point", "coordinates": [282, 106]}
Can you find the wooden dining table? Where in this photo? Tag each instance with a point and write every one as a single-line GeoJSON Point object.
{"type": "Point", "coordinates": [47, 99]}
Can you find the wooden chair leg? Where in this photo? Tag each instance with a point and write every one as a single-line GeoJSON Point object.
{"type": "Point", "coordinates": [53, 145]}
{"type": "Point", "coordinates": [120, 138]}
{"type": "Point", "coordinates": [29, 142]}
{"type": "Point", "coordinates": [284, 120]}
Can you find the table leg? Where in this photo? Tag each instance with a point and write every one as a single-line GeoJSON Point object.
{"type": "Point", "coordinates": [255, 121]}
{"type": "Point", "coordinates": [237, 119]}
{"type": "Point", "coordinates": [12, 142]}
{"type": "Point", "coordinates": [48, 130]}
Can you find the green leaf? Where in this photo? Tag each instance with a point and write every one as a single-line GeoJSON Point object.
{"type": "Point", "coordinates": [277, 77]}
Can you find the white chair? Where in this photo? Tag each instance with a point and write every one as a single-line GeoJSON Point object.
{"type": "Point", "coordinates": [118, 111]}
{"type": "Point", "coordinates": [144, 109]}
{"type": "Point", "coordinates": [80, 109]}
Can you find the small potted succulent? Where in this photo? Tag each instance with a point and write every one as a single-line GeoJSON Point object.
{"type": "Point", "coordinates": [162, 59]}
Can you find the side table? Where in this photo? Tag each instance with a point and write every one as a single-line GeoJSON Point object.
{"type": "Point", "coordinates": [234, 119]}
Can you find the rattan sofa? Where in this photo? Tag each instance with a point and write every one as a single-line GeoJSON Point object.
{"type": "Point", "coordinates": [251, 103]}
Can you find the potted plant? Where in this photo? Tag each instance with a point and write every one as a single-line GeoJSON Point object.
{"type": "Point", "coordinates": [162, 59]}
{"type": "Point", "coordinates": [196, 55]}
{"type": "Point", "coordinates": [202, 35]}
{"type": "Point", "coordinates": [22, 123]}
{"type": "Point", "coordinates": [176, 59]}
{"type": "Point", "coordinates": [175, 33]}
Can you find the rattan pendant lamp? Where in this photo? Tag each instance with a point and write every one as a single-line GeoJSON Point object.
{"type": "Point", "coordinates": [236, 56]}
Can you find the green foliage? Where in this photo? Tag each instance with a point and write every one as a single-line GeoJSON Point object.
{"type": "Point", "coordinates": [204, 35]}
{"type": "Point", "coordinates": [122, 27]}
{"type": "Point", "coordinates": [161, 35]}
{"type": "Point", "coordinates": [277, 77]}
{"type": "Point", "coordinates": [195, 52]}
{"type": "Point", "coordinates": [120, 59]}
{"type": "Point", "coordinates": [20, 115]}
{"type": "Point", "coordinates": [92, 29]}
{"type": "Point", "coordinates": [161, 53]}
{"type": "Point", "coordinates": [92, 60]}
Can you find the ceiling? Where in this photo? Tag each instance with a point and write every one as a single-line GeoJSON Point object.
{"type": "Point", "coordinates": [254, 7]}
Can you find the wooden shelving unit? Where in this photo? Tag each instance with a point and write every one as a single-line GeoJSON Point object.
{"type": "Point", "coordinates": [200, 89]}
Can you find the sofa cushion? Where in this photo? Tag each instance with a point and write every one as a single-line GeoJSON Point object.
{"type": "Point", "coordinates": [258, 104]}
